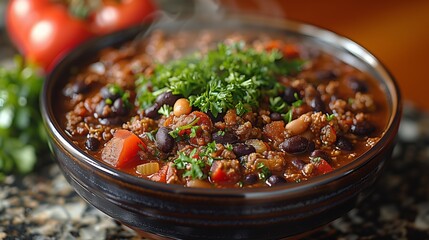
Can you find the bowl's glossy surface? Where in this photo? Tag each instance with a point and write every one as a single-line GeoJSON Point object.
{"type": "Point", "coordinates": [266, 213]}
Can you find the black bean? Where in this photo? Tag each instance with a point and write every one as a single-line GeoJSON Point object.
{"type": "Point", "coordinates": [320, 154]}
{"type": "Point", "coordinates": [289, 95]}
{"type": "Point", "coordinates": [344, 144]}
{"type": "Point", "coordinates": [276, 116]}
{"type": "Point", "coordinates": [164, 141]}
{"type": "Point", "coordinates": [218, 118]}
{"type": "Point", "coordinates": [152, 111]}
{"type": "Point", "coordinates": [92, 144]}
{"type": "Point", "coordinates": [311, 146]}
{"type": "Point", "coordinates": [119, 107]}
{"type": "Point", "coordinates": [295, 145]}
{"type": "Point", "coordinates": [357, 85]}
{"type": "Point", "coordinates": [107, 94]}
{"type": "Point", "coordinates": [298, 163]}
{"type": "Point", "coordinates": [99, 109]}
{"type": "Point", "coordinates": [241, 149]}
{"type": "Point", "coordinates": [225, 137]}
{"type": "Point", "coordinates": [317, 104]}
{"type": "Point", "coordinates": [111, 120]}
{"type": "Point", "coordinates": [325, 75]}
{"type": "Point", "coordinates": [166, 98]}
{"type": "Point", "coordinates": [275, 180]}
{"type": "Point", "coordinates": [251, 178]}
{"type": "Point", "coordinates": [362, 129]}
{"type": "Point", "coordinates": [79, 87]}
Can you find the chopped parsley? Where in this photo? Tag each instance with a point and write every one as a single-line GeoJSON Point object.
{"type": "Point", "coordinates": [116, 90]}
{"type": "Point", "coordinates": [165, 110]}
{"type": "Point", "coordinates": [194, 131]}
{"type": "Point", "coordinates": [315, 160]}
{"type": "Point", "coordinates": [298, 101]}
{"type": "Point", "coordinates": [330, 117]}
{"type": "Point", "coordinates": [288, 116]}
{"type": "Point", "coordinates": [176, 132]}
{"type": "Point", "coordinates": [264, 171]}
{"type": "Point", "coordinates": [278, 105]}
{"type": "Point", "coordinates": [192, 166]}
{"type": "Point", "coordinates": [228, 77]}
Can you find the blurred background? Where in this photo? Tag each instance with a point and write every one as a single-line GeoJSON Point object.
{"type": "Point", "coordinates": [396, 31]}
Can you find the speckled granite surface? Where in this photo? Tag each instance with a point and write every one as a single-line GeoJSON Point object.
{"type": "Point", "coordinates": [43, 205]}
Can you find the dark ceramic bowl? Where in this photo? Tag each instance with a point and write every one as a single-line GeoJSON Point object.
{"type": "Point", "coordinates": [171, 211]}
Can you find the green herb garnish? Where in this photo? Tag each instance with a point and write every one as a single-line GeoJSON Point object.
{"type": "Point", "coordinates": [298, 101]}
{"type": "Point", "coordinates": [194, 131]}
{"type": "Point", "coordinates": [207, 153]}
{"type": "Point", "coordinates": [288, 116]}
{"type": "Point", "coordinates": [330, 117]}
{"type": "Point", "coordinates": [278, 105]}
{"type": "Point", "coordinates": [116, 90]}
{"type": "Point", "coordinates": [315, 160]}
{"type": "Point", "coordinates": [165, 110]}
{"type": "Point", "coordinates": [175, 132]}
{"type": "Point", "coordinates": [228, 77]}
{"type": "Point", "coordinates": [264, 171]}
{"type": "Point", "coordinates": [192, 166]}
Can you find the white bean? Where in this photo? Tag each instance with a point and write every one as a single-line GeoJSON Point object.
{"type": "Point", "coordinates": [298, 125]}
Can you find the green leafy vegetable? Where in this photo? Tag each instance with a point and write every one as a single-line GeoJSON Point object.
{"type": "Point", "coordinates": [298, 101]}
{"type": "Point", "coordinates": [264, 171]}
{"type": "Point", "coordinates": [315, 160]}
{"type": "Point", "coordinates": [278, 105]}
{"type": "Point", "coordinates": [192, 166]}
{"type": "Point", "coordinates": [330, 117]}
{"type": "Point", "coordinates": [176, 132]}
{"type": "Point", "coordinates": [165, 110]}
{"type": "Point", "coordinates": [288, 116]}
{"type": "Point", "coordinates": [22, 136]}
{"type": "Point", "coordinates": [230, 76]}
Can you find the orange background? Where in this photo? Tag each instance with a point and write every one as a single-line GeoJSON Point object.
{"type": "Point", "coordinates": [395, 31]}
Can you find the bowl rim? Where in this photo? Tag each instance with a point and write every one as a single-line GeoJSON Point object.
{"type": "Point", "coordinates": [327, 36]}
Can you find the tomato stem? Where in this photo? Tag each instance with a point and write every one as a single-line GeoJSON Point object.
{"type": "Point", "coordinates": [81, 9]}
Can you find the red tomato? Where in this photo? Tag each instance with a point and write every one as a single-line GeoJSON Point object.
{"type": "Point", "coordinates": [44, 31]}
{"type": "Point", "coordinates": [323, 167]}
{"type": "Point", "coordinates": [122, 150]}
{"type": "Point", "coordinates": [220, 175]}
{"type": "Point", "coordinates": [20, 17]}
{"type": "Point", "coordinates": [203, 120]}
{"type": "Point", "coordinates": [115, 15]}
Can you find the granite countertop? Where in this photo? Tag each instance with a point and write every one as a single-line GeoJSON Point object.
{"type": "Point", "coordinates": [43, 205]}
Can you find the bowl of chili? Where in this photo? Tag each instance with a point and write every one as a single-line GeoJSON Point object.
{"type": "Point", "coordinates": [253, 129]}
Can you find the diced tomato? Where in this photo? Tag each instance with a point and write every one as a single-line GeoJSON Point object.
{"type": "Point", "coordinates": [122, 150]}
{"type": "Point", "coordinates": [203, 120]}
{"type": "Point", "coordinates": [219, 174]}
{"type": "Point", "coordinates": [274, 44]}
{"type": "Point", "coordinates": [168, 171]}
{"type": "Point", "coordinates": [323, 167]}
{"type": "Point", "coordinates": [290, 51]}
